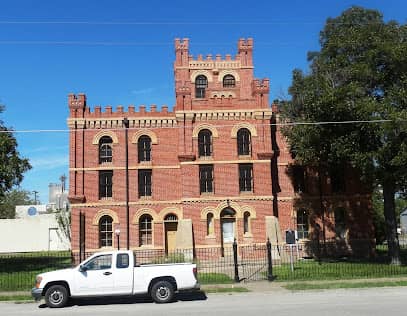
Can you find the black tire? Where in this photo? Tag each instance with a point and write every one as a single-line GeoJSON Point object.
{"type": "Point", "coordinates": [56, 296]}
{"type": "Point", "coordinates": [162, 292]}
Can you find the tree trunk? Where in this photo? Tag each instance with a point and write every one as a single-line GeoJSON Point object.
{"type": "Point", "coordinates": [390, 220]}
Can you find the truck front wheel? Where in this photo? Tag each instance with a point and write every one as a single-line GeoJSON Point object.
{"type": "Point", "coordinates": [56, 296]}
{"type": "Point", "coordinates": [162, 292]}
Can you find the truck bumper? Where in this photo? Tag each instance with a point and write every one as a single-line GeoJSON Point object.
{"type": "Point", "coordinates": [36, 293]}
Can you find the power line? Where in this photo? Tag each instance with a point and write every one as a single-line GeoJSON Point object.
{"type": "Point", "coordinates": [149, 23]}
{"type": "Point", "coordinates": [218, 126]}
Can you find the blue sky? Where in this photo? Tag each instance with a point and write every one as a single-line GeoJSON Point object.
{"type": "Point", "coordinates": [122, 52]}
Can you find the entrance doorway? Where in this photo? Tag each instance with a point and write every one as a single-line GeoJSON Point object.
{"type": "Point", "coordinates": [170, 227]}
{"type": "Point", "coordinates": [228, 226]}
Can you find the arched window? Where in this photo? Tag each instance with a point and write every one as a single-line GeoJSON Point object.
{"type": "Point", "coordinates": [144, 148]}
{"type": "Point", "coordinates": [105, 149]}
{"type": "Point", "coordinates": [205, 143]}
{"type": "Point", "coordinates": [340, 222]}
{"type": "Point", "coordinates": [210, 225]}
{"type": "Point", "coordinates": [302, 224]}
{"type": "Point", "coordinates": [244, 142]}
{"type": "Point", "coordinates": [229, 81]}
{"type": "Point", "coordinates": [246, 222]}
{"type": "Point", "coordinates": [146, 230]}
{"type": "Point", "coordinates": [201, 83]}
{"type": "Point", "coordinates": [171, 218]}
{"type": "Point", "coordinates": [105, 231]}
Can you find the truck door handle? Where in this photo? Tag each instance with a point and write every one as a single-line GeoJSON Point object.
{"type": "Point", "coordinates": [107, 273]}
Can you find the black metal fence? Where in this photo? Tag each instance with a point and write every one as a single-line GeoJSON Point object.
{"type": "Point", "coordinates": [233, 263]}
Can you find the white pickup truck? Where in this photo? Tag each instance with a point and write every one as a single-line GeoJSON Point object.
{"type": "Point", "coordinates": [115, 273]}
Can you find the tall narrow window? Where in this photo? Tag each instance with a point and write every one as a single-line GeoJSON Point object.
{"type": "Point", "coordinates": [229, 81]}
{"type": "Point", "coordinates": [105, 184]}
{"type": "Point", "coordinates": [105, 149]}
{"type": "Point", "coordinates": [299, 179]}
{"type": "Point", "coordinates": [146, 230]}
{"type": "Point", "coordinates": [340, 222]}
{"type": "Point", "coordinates": [302, 224]}
{"type": "Point", "coordinates": [201, 83]}
{"type": "Point", "coordinates": [337, 180]}
{"type": "Point", "coordinates": [246, 177]}
{"type": "Point", "coordinates": [105, 231]}
{"type": "Point", "coordinates": [144, 182]}
{"type": "Point", "coordinates": [144, 148]}
{"type": "Point", "coordinates": [205, 143]}
{"type": "Point", "coordinates": [244, 144]}
{"type": "Point", "coordinates": [210, 225]}
{"type": "Point", "coordinates": [246, 222]}
{"type": "Point", "coordinates": [206, 178]}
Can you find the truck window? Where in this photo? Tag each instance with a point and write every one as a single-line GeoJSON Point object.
{"type": "Point", "coordinates": [100, 263]}
{"type": "Point", "coordinates": [122, 261]}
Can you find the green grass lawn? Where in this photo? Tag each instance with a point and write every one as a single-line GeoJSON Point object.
{"type": "Point", "coordinates": [214, 278]}
{"type": "Point", "coordinates": [336, 270]}
{"type": "Point", "coordinates": [18, 271]}
{"type": "Point", "coordinates": [342, 285]}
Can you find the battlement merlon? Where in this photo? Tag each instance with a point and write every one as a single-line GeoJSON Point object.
{"type": "Point", "coordinates": [245, 50]}
{"type": "Point", "coordinates": [77, 101]}
{"type": "Point", "coordinates": [181, 52]}
{"type": "Point", "coordinates": [76, 104]}
{"type": "Point", "coordinates": [261, 86]}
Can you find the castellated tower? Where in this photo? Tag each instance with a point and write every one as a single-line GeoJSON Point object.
{"type": "Point", "coordinates": [216, 82]}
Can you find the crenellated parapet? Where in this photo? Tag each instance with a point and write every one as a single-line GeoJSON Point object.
{"type": "Point", "coordinates": [108, 117]}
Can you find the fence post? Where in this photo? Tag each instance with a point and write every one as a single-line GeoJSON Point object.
{"type": "Point", "coordinates": [235, 261]}
{"type": "Point", "coordinates": [269, 261]}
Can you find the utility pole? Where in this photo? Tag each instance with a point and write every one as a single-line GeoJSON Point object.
{"type": "Point", "coordinates": [35, 197]}
{"type": "Point", "coordinates": [126, 125]}
{"type": "Point", "coordinates": [63, 179]}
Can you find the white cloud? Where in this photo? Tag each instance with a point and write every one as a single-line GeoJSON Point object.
{"type": "Point", "coordinates": [49, 162]}
{"type": "Point", "coordinates": [143, 91]}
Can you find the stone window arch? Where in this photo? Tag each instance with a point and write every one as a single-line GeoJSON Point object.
{"type": "Point", "coordinates": [248, 126]}
{"type": "Point", "coordinates": [101, 134]}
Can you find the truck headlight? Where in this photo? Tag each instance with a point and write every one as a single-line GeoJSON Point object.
{"type": "Point", "coordinates": [38, 280]}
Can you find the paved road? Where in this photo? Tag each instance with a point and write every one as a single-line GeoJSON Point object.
{"type": "Point", "coordinates": [371, 302]}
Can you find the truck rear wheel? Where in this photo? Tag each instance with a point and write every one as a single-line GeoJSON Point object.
{"type": "Point", "coordinates": [162, 292]}
{"type": "Point", "coordinates": [56, 296]}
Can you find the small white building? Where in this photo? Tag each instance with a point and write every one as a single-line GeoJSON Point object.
{"type": "Point", "coordinates": [33, 229]}
{"type": "Point", "coordinates": [403, 222]}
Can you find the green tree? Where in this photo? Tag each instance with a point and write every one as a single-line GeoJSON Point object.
{"type": "Point", "coordinates": [359, 74]}
{"type": "Point", "coordinates": [12, 198]}
{"type": "Point", "coordinates": [12, 166]}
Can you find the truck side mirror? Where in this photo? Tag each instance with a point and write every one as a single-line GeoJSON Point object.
{"type": "Point", "coordinates": [83, 268]}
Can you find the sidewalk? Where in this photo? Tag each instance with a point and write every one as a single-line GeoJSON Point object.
{"type": "Point", "coordinates": [274, 286]}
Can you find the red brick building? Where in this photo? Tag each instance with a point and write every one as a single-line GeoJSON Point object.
{"type": "Point", "coordinates": [212, 170]}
